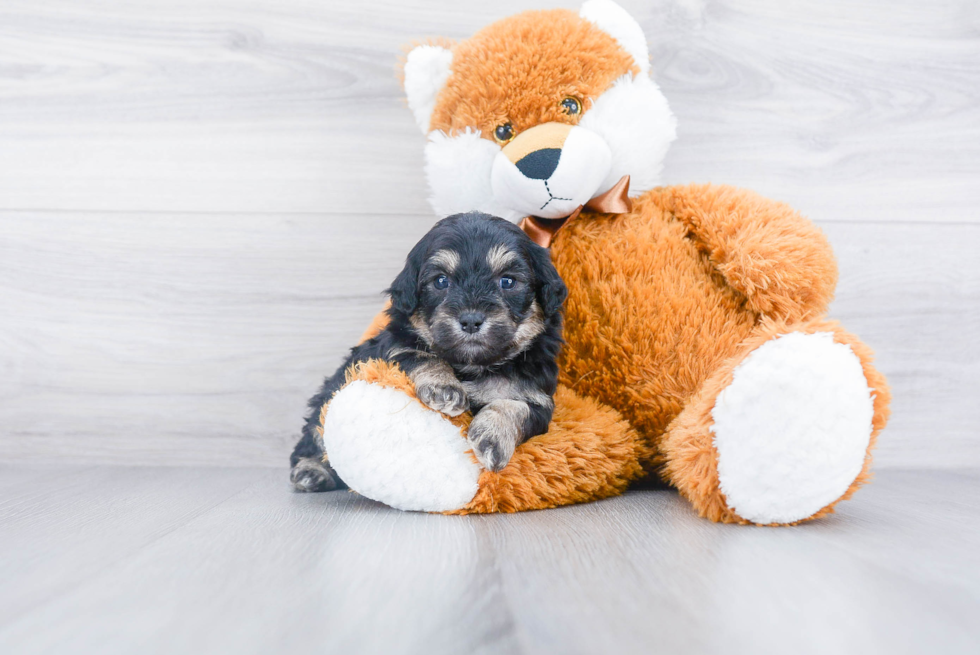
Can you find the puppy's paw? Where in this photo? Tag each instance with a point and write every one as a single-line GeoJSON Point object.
{"type": "Point", "coordinates": [450, 399]}
{"type": "Point", "coordinates": [494, 435]}
{"type": "Point", "coordinates": [311, 475]}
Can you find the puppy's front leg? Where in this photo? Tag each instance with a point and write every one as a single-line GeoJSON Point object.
{"type": "Point", "coordinates": [497, 430]}
{"type": "Point", "coordinates": [436, 385]}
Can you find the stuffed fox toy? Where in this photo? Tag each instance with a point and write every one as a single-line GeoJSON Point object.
{"type": "Point", "coordinates": [697, 346]}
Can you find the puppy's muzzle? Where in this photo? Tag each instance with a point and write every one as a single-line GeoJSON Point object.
{"type": "Point", "coordinates": [471, 322]}
{"type": "Point", "coordinates": [551, 169]}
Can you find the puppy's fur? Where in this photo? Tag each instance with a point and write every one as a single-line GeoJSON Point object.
{"type": "Point", "coordinates": [475, 322]}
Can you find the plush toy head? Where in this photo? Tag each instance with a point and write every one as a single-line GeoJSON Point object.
{"type": "Point", "coordinates": [539, 113]}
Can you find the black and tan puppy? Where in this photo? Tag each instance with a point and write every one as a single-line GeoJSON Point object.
{"type": "Point", "coordinates": [475, 322]}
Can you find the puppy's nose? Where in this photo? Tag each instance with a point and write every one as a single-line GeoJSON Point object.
{"type": "Point", "coordinates": [540, 164]}
{"type": "Point", "coordinates": [471, 321]}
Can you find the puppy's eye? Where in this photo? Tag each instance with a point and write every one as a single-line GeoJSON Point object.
{"type": "Point", "coordinates": [441, 282]}
{"type": "Point", "coordinates": [504, 133]}
{"type": "Point", "coordinates": [571, 106]}
{"type": "Point", "coordinates": [506, 283]}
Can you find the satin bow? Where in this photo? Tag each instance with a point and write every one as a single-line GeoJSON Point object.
{"type": "Point", "coordinates": [613, 201]}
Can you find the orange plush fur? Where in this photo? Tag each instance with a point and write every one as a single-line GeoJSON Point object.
{"type": "Point", "coordinates": [533, 48]}
{"type": "Point", "coordinates": [663, 295]}
{"type": "Point", "coordinates": [664, 301]}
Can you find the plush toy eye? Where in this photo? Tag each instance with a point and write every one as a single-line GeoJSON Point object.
{"type": "Point", "coordinates": [571, 106]}
{"type": "Point", "coordinates": [504, 132]}
{"type": "Point", "coordinates": [441, 282]}
{"type": "Point", "coordinates": [506, 283]}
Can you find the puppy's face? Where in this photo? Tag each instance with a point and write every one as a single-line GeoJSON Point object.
{"type": "Point", "coordinates": [477, 291]}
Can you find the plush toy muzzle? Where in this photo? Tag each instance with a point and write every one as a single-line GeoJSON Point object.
{"type": "Point", "coordinates": [550, 170]}
{"type": "Point", "coordinates": [592, 117]}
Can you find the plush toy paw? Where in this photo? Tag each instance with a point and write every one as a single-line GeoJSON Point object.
{"type": "Point", "coordinates": [793, 428]}
{"type": "Point", "coordinates": [390, 447]}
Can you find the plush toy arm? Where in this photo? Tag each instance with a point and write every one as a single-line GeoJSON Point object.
{"type": "Point", "coordinates": [388, 446]}
{"type": "Point", "coordinates": [767, 251]}
{"type": "Point", "coordinates": [589, 453]}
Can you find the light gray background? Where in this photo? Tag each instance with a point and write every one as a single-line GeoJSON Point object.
{"type": "Point", "coordinates": [201, 200]}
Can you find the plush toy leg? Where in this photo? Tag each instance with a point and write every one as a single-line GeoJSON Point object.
{"type": "Point", "coordinates": [389, 447]}
{"type": "Point", "coordinates": [783, 431]}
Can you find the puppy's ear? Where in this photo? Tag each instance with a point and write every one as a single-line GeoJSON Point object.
{"type": "Point", "coordinates": [404, 291]}
{"type": "Point", "coordinates": [551, 289]}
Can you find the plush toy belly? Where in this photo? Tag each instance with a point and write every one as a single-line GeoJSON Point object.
{"type": "Point", "coordinates": [647, 319]}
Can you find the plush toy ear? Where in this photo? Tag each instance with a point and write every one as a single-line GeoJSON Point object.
{"type": "Point", "coordinates": [551, 290]}
{"type": "Point", "coordinates": [427, 68]}
{"type": "Point", "coordinates": [613, 20]}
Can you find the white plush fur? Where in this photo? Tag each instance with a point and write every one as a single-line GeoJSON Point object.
{"type": "Point", "coordinates": [458, 172]}
{"type": "Point", "coordinates": [426, 70]}
{"type": "Point", "coordinates": [389, 448]}
{"type": "Point", "coordinates": [614, 21]}
{"type": "Point", "coordinates": [634, 119]}
{"type": "Point", "coordinates": [583, 167]}
{"type": "Point", "coordinates": [793, 428]}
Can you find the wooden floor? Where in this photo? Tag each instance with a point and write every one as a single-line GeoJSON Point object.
{"type": "Point", "coordinates": [202, 560]}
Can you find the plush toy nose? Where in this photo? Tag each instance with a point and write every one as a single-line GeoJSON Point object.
{"type": "Point", "coordinates": [540, 164]}
{"type": "Point", "coordinates": [471, 321]}
{"type": "Point", "coordinates": [536, 151]}
{"type": "Point", "coordinates": [551, 169]}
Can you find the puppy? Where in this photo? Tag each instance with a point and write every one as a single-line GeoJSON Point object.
{"type": "Point", "coordinates": [475, 322]}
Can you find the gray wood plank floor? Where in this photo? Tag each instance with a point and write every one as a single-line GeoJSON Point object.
{"type": "Point", "coordinates": [204, 560]}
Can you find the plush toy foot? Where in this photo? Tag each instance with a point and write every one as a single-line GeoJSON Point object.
{"type": "Point", "coordinates": [388, 446]}
{"type": "Point", "coordinates": [783, 431]}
